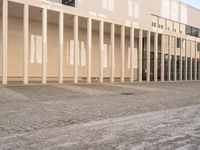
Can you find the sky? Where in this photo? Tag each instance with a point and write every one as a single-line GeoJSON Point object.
{"type": "Point", "coordinates": [194, 3]}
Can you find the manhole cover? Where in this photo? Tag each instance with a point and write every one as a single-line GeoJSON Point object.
{"type": "Point", "coordinates": [127, 93]}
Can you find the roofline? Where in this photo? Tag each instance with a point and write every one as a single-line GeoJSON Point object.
{"type": "Point", "coordinates": [198, 9]}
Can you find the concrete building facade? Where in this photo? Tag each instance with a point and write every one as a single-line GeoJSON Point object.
{"type": "Point", "coordinates": [99, 41]}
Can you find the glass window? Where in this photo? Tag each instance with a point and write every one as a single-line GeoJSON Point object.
{"type": "Point", "coordinates": [198, 47]}
{"type": "Point", "coordinates": [194, 31]}
{"type": "Point", "coordinates": [69, 2]}
{"type": "Point", "coordinates": [178, 42]}
{"type": "Point", "coordinates": [198, 33]}
{"type": "Point", "coordinates": [188, 30]}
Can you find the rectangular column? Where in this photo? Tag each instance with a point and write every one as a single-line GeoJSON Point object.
{"type": "Point", "coordinates": [156, 57]}
{"type": "Point", "coordinates": [140, 54]}
{"type": "Point", "coordinates": [131, 53]}
{"type": "Point", "coordinates": [186, 61]}
{"type": "Point", "coordinates": [148, 55]}
{"type": "Point", "coordinates": [169, 59]}
{"type": "Point", "coordinates": [181, 61]}
{"type": "Point", "coordinates": [163, 59]}
{"type": "Point", "coordinates": [122, 52]}
{"type": "Point", "coordinates": [175, 58]}
{"type": "Point", "coordinates": [198, 78]}
{"type": "Point", "coordinates": [76, 48]}
{"type": "Point", "coordinates": [112, 53]}
{"type": "Point", "coordinates": [44, 45]}
{"type": "Point", "coordinates": [191, 69]}
{"type": "Point", "coordinates": [195, 60]}
{"type": "Point", "coordinates": [61, 39]}
{"type": "Point", "coordinates": [26, 42]}
{"type": "Point", "coordinates": [101, 46]}
{"type": "Point", "coordinates": [89, 47]}
{"type": "Point", "coordinates": [5, 41]}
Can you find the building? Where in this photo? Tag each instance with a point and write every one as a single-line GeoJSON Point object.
{"type": "Point", "coordinates": [99, 41]}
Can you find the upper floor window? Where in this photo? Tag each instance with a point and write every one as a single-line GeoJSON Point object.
{"type": "Point", "coordinates": [160, 26]}
{"type": "Point", "coordinates": [178, 42]}
{"type": "Point", "coordinates": [153, 24]}
{"type": "Point", "coordinates": [198, 47]}
{"type": "Point", "coordinates": [188, 30]}
{"type": "Point", "coordinates": [69, 2]}
{"type": "Point", "coordinates": [198, 33]}
{"type": "Point", "coordinates": [174, 30]}
{"type": "Point", "coordinates": [192, 31]}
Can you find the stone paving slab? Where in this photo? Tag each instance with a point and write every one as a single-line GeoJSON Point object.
{"type": "Point", "coordinates": [98, 116]}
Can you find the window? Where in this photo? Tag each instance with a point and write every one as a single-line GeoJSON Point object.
{"type": "Point", "coordinates": [198, 47]}
{"type": "Point", "coordinates": [69, 2]}
{"type": "Point", "coordinates": [178, 42]}
{"type": "Point", "coordinates": [194, 31]}
{"type": "Point", "coordinates": [153, 24]}
{"type": "Point", "coordinates": [198, 33]}
{"type": "Point", "coordinates": [160, 26]}
{"type": "Point", "coordinates": [174, 30]}
{"type": "Point", "coordinates": [188, 30]}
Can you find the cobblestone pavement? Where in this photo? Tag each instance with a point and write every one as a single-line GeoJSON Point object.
{"type": "Point", "coordinates": [100, 116]}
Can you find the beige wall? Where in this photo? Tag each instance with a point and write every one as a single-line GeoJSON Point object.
{"type": "Point", "coordinates": [15, 51]}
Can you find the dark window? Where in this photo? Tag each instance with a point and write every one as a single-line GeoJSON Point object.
{"type": "Point", "coordinates": [198, 47]}
{"type": "Point", "coordinates": [194, 31]}
{"type": "Point", "coordinates": [69, 2]}
{"type": "Point", "coordinates": [198, 33]}
{"type": "Point", "coordinates": [178, 42]}
{"type": "Point", "coordinates": [188, 30]}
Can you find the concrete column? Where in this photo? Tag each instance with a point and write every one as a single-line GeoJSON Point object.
{"type": "Point", "coordinates": [181, 61]}
{"type": "Point", "coordinates": [5, 41]}
{"type": "Point", "coordinates": [89, 48]}
{"type": "Point", "coordinates": [76, 48]}
{"type": "Point", "coordinates": [169, 61]}
{"type": "Point", "coordinates": [140, 54]}
{"type": "Point", "coordinates": [156, 57]}
{"type": "Point", "coordinates": [101, 47]}
{"type": "Point", "coordinates": [131, 53]}
{"type": "Point", "coordinates": [195, 61]}
{"type": "Point", "coordinates": [191, 69]}
{"type": "Point", "coordinates": [163, 59]}
{"type": "Point", "coordinates": [44, 46]}
{"type": "Point", "coordinates": [175, 58]}
{"type": "Point", "coordinates": [61, 39]}
{"type": "Point", "coordinates": [198, 78]}
{"type": "Point", "coordinates": [186, 61]}
{"type": "Point", "coordinates": [112, 53]}
{"type": "Point", "coordinates": [148, 55]}
{"type": "Point", "coordinates": [26, 42]}
{"type": "Point", "coordinates": [122, 52]}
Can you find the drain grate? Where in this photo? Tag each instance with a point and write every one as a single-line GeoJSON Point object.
{"type": "Point", "coordinates": [127, 93]}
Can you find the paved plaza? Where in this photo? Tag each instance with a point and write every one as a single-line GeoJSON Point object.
{"type": "Point", "coordinates": [139, 116]}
